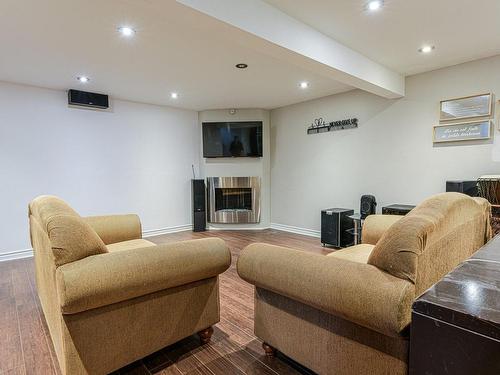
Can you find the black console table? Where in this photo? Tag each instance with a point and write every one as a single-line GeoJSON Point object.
{"type": "Point", "coordinates": [455, 325]}
{"type": "Point", "coordinates": [397, 209]}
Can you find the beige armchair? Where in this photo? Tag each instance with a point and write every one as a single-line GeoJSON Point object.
{"type": "Point", "coordinates": [111, 297]}
{"type": "Point", "coordinates": [349, 312]}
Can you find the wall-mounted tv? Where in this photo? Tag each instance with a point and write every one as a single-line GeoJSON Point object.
{"type": "Point", "coordinates": [232, 139]}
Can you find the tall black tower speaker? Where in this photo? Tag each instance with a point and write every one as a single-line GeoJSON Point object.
{"type": "Point", "coordinates": [199, 205]}
{"type": "Point", "coordinates": [335, 225]}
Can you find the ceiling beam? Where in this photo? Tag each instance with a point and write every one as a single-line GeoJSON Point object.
{"type": "Point", "coordinates": [293, 41]}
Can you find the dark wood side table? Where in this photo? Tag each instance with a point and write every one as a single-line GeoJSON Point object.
{"type": "Point", "coordinates": [455, 325]}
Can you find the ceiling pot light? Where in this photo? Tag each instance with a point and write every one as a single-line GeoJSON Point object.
{"type": "Point", "coordinates": [241, 66]}
{"type": "Point", "coordinates": [83, 79]}
{"type": "Point", "coordinates": [126, 31]}
{"type": "Point", "coordinates": [304, 85]}
{"type": "Point", "coordinates": [426, 49]}
{"type": "Point", "coordinates": [374, 5]}
{"type": "Point", "coordinates": [174, 95]}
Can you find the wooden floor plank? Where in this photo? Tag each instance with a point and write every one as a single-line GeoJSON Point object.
{"type": "Point", "coordinates": [11, 352]}
{"type": "Point", "coordinates": [243, 360]}
{"type": "Point", "coordinates": [234, 348]}
{"type": "Point", "coordinates": [215, 362]}
{"type": "Point", "coordinates": [37, 358]}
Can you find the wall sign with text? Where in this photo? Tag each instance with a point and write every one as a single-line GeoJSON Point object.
{"type": "Point", "coordinates": [320, 126]}
{"type": "Point", "coordinates": [467, 131]}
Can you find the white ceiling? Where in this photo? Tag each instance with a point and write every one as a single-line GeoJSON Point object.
{"type": "Point", "coordinates": [49, 43]}
{"type": "Point", "coordinates": [461, 30]}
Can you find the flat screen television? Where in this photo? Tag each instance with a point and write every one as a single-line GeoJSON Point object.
{"type": "Point", "coordinates": [232, 139]}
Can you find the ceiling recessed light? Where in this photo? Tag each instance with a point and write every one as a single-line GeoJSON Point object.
{"type": "Point", "coordinates": [174, 95]}
{"type": "Point", "coordinates": [426, 49]}
{"type": "Point", "coordinates": [126, 31]}
{"type": "Point", "coordinates": [304, 85]}
{"type": "Point", "coordinates": [374, 5]}
{"type": "Point", "coordinates": [83, 79]}
{"type": "Point", "coordinates": [242, 66]}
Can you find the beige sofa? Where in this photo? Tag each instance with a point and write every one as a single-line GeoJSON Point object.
{"type": "Point", "coordinates": [111, 297]}
{"type": "Point", "coordinates": [349, 312]}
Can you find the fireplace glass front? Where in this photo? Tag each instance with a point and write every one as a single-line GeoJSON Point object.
{"type": "Point", "coordinates": [233, 199]}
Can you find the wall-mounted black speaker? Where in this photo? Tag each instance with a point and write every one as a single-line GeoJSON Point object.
{"type": "Point", "coordinates": [199, 205]}
{"type": "Point", "coordinates": [335, 225]}
{"type": "Point", "coordinates": [465, 187]}
{"type": "Point", "coordinates": [368, 206]}
{"type": "Point", "coordinates": [87, 99]}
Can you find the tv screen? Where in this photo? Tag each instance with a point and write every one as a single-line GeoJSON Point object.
{"type": "Point", "coordinates": [232, 139]}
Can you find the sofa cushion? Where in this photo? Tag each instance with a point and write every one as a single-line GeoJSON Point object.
{"type": "Point", "coordinates": [437, 235]}
{"type": "Point", "coordinates": [358, 253]}
{"type": "Point", "coordinates": [375, 226]}
{"type": "Point", "coordinates": [116, 228]}
{"type": "Point", "coordinates": [70, 237]}
{"type": "Point", "coordinates": [128, 245]}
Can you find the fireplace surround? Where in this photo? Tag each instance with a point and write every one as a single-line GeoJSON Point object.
{"type": "Point", "coordinates": [233, 200]}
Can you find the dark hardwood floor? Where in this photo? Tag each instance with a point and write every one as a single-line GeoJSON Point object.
{"type": "Point", "coordinates": [26, 347]}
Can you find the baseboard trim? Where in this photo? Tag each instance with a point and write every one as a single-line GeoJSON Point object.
{"type": "Point", "coordinates": [18, 254]}
{"type": "Point", "coordinates": [235, 228]}
{"type": "Point", "coordinates": [297, 230]}
{"type": "Point", "coordinates": [167, 230]}
{"type": "Point", "coordinates": [27, 253]}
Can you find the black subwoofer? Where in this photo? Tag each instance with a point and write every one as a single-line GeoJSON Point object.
{"type": "Point", "coordinates": [335, 223]}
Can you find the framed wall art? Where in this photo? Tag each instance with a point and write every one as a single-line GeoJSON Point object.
{"type": "Point", "coordinates": [468, 107]}
{"type": "Point", "coordinates": [467, 131]}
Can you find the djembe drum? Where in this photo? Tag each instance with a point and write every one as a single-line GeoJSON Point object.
{"type": "Point", "coordinates": [488, 187]}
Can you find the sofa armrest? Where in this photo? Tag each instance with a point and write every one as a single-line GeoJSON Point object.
{"type": "Point", "coordinates": [375, 226]}
{"type": "Point", "coordinates": [358, 292]}
{"type": "Point", "coordinates": [108, 278]}
{"type": "Point", "coordinates": [116, 228]}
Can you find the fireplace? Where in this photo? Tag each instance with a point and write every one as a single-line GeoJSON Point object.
{"type": "Point", "coordinates": [233, 199]}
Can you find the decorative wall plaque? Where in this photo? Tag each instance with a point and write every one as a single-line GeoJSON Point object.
{"type": "Point", "coordinates": [462, 132]}
{"type": "Point", "coordinates": [320, 126]}
{"type": "Point", "coordinates": [466, 107]}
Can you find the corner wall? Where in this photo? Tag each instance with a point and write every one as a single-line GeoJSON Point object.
{"type": "Point", "coordinates": [390, 155]}
{"type": "Point", "coordinates": [135, 158]}
{"type": "Point", "coordinates": [241, 167]}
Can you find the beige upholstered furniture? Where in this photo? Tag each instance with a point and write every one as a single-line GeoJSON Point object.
{"type": "Point", "coordinates": [111, 297]}
{"type": "Point", "coordinates": [349, 312]}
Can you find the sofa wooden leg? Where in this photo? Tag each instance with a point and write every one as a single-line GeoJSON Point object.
{"type": "Point", "coordinates": [206, 335]}
{"type": "Point", "coordinates": [270, 351]}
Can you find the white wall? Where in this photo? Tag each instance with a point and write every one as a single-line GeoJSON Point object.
{"type": "Point", "coordinates": [390, 155]}
{"type": "Point", "coordinates": [241, 167]}
{"type": "Point", "coordinates": [136, 158]}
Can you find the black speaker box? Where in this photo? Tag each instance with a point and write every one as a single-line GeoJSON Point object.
{"type": "Point", "coordinates": [87, 99]}
{"type": "Point", "coordinates": [368, 206]}
{"type": "Point", "coordinates": [335, 223]}
{"type": "Point", "coordinates": [465, 187]}
{"type": "Point", "coordinates": [199, 205]}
